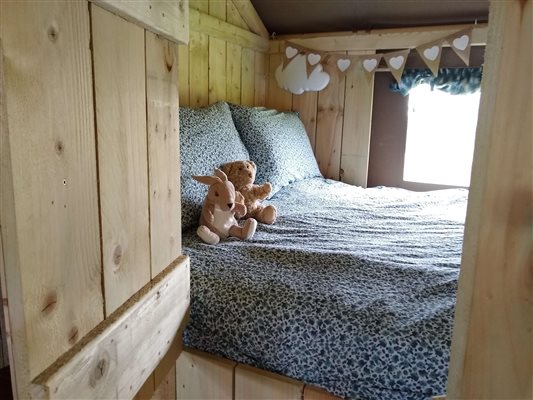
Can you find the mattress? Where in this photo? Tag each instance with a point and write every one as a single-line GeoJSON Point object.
{"type": "Point", "coordinates": [352, 289]}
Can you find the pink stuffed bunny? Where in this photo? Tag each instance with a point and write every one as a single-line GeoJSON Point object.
{"type": "Point", "coordinates": [218, 212]}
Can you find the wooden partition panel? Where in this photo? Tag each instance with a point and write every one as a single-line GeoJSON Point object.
{"type": "Point", "coordinates": [49, 207]}
{"type": "Point", "coordinates": [492, 344]}
{"type": "Point", "coordinates": [119, 69]}
{"type": "Point", "coordinates": [163, 150]}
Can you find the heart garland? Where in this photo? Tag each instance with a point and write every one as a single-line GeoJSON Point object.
{"type": "Point", "coordinates": [431, 53]}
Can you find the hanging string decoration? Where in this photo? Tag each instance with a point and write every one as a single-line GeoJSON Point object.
{"type": "Point", "coordinates": [305, 69]}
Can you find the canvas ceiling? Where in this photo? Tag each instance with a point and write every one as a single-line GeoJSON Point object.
{"type": "Point", "coordinates": [311, 16]}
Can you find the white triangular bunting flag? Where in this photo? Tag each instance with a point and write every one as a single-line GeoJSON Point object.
{"type": "Point", "coordinates": [312, 60]}
{"type": "Point", "coordinates": [289, 52]}
{"type": "Point", "coordinates": [396, 62]}
{"type": "Point", "coordinates": [431, 53]}
{"type": "Point", "coordinates": [460, 42]}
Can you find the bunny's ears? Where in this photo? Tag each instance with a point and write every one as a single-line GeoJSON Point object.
{"type": "Point", "coordinates": [211, 180]}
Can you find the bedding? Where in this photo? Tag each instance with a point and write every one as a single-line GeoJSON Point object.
{"type": "Point", "coordinates": [352, 289]}
{"type": "Point", "coordinates": [278, 144]}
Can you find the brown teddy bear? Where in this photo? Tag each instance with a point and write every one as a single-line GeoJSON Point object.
{"type": "Point", "coordinates": [242, 175]}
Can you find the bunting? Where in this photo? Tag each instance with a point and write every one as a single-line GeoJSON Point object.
{"type": "Point", "coordinates": [331, 62]}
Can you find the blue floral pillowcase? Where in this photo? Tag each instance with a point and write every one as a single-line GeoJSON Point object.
{"type": "Point", "coordinates": [277, 143]}
{"type": "Point", "coordinates": [208, 139]}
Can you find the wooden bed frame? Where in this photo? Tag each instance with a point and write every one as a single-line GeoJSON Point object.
{"type": "Point", "coordinates": [90, 253]}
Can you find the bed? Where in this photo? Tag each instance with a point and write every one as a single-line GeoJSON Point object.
{"type": "Point", "coordinates": [352, 290]}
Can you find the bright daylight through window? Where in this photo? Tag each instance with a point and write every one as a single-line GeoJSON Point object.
{"type": "Point", "coordinates": [441, 130]}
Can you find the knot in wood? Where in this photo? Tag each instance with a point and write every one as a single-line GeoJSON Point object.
{"type": "Point", "coordinates": [117, 255]}
{"type": "Point", "coordinates": [52, 34]}
{"type": "Point", "coordinates": [59, 147]}
{"type": "Point", "coordinates": [100, 369]}
{"type": "Point", "coordinates": [73, 335]}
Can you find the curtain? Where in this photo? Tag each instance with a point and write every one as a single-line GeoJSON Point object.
{"type": "Point", "coordinates": [450, 80]}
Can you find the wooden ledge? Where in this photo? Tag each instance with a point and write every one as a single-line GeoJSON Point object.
{"type": "Point", "coordinates": [379, 39]}
{"type": "Point", "coordinates": [115, 359]}
{"type": "Point", "coordinates": [169, 19]}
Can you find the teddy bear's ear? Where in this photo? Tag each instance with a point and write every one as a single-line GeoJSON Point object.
{"type": "Point", "coordinates": [252, 163]}
{"type": "Point", "coordinates": [226, 168]}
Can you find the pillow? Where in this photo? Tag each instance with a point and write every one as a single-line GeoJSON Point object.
{"type": "Point", "coordinates": [208, 139]}
{"type": "Point", "coordinates": [277, 143]}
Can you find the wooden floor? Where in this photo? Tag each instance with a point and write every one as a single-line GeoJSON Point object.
{"type": "Point", "coordinates": [5, 384]}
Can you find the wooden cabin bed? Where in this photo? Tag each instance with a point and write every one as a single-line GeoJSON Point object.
{"type": "Point", "coordinates": [94, 283]}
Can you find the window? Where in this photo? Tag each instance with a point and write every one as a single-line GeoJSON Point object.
{"type": "Point", "coordinates": [441, 130]}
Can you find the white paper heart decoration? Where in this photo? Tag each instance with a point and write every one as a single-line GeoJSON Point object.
{"type": "Point", "coordinates": [369, 65]}
{"type": "Point", "coordinates": [313, 58]}
{"type": "Point", "coordinates": [294, 76]}
{"type": "Point", "coordinates": [461, 43]}
{"type": "Point", "coordinates": [290, 52]}
{"type": "Point", "coordinates": [343, 64]}
{"type": "Point", "coordinates": [432, 53]}
{"type": "Point", "coordinates": [396, 62]}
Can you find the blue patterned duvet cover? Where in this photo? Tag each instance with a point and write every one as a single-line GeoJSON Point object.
{"type": "Point", "coordinates": [352, 290]}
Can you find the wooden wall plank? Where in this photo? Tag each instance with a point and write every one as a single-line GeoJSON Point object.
{"type": "Point", "coordinates": [233, 73]}
{"type": "Point", "coordinates": [306, 104]}
{"type": "Point", "coordinates": [248, 77]}
{"type": "Point", "coordinates": [329, 124]}
{"type": "Point", "coordinates": [183, 76]}
{"type": "Point", "coordinates": [194, 369]}
{"type": "Point", "coordinates": [119, 68]}
{"type": "Point", "coordinates": [116, 359]}
{"type": "Point", "coordinates": [163, 151]}
{"type": "Point", "coordinates": [198, 69]}
{"type": "Point", "coordinates": [212, 26]}
{"type": "Point", "coordinates": [261, 78]}
{"type": "Point", "coordinates": [217, 70]}
{"type": "Point", "coordinates": [357, 124]}
{"type": "Point", "coordinates": [492, 347]}
{"type": "Point", "coordinates": [253, 383]}
{"type": "Point", "coordinates": [49, 208]}
{"type": "Point", "coordinates": [169, 19]}
{"type": "Point", "coordinates": [277, 98]}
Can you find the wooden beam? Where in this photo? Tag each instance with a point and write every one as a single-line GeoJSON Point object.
{"type": "Point", "coordinates": [117, 357]}
{"type": "Point", "coordinates": [250, 16]}
{"type": "Point", "coordinates": [166, 18]}
{"type": "Point", "coordinates": [401, 38]}
{"type": "Point", "coordinates": [203, 23]}
{"type": "Point", "coordinates": [491, 348]}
